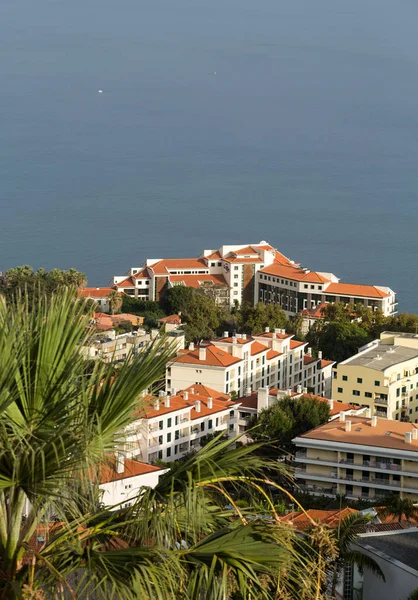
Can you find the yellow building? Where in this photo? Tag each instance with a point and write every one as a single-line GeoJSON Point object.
{"type": "Point", "coordinates": [359, 458]}
{"type": "Point", "coordinates": [383, 375]}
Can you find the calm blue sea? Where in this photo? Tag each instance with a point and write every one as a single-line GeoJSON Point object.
{"type": "Point", "coordinates": [221, 121]}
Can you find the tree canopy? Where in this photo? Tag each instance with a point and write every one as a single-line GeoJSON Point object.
{"type": "Point", "coordinates": [23, 279]}
{"type": "Point", "coordinates": [287, 418]}
{"type": "Point", "coordinates": [254, 319]}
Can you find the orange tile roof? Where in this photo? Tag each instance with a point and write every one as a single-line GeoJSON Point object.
{"type": "Point", "coordinates": [126, 283]}
{"type": "Point", "coordinates": [337, 407]}
{"type": "Point", "coordinates": [334, 431]}
{"type": "Point", "coordinates": [199, 281]}
{"type": "Point", "coordinates": [214, 256]}
{"type": "Point", "coordinates": [98, 292]}
{"type": "Point", "coordinates": [244, 251]}
{"type": "Point", "coordinates": [293, 272]}
{"type": "Point", "coordinates": [256, 348]}
{"type": "Point", "coordinates": [126, 317]}
{"type": "Point", "coordinates": [307, 360]}
{"type": "Point", "coordinates": [332, 518]}
{"type": "Point", "coordinates": [220, 402]}
{"type": "Point", "coordinates": [326, 363]}
{"type": "Point", "coordinates": [239, 340]}
{"type": "Point", "coordinates": [237, 259]}
{"type": "Point", "coordinates": [295, 344]}
{"type": "Point", "coordinates": [142, 274]}
{"type": "Point", "coordinates": [171, 320]}
{"type": "Point", "coordinates": [277, 336]}
{"type": "Point", "coordinates": [132, 469]}
{"type": "Point", "coordinates": [355, 289]}
{"type": "Point", "coordinates": [215, 357]}
{"type": "Point", "coordinates": [249, 401]}
{"type": "Point", "coordinates": [273, 354]}
{"type": "Point", "coordinates": [166, 265]}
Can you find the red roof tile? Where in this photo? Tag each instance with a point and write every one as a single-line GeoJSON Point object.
{"type": "Point", "coordinates": [132, 469]}
{"type": "Point", "coordinates": [199, 281]}
{"type": "Point", "coordinates": [98, 292]}
{"type": "Point", "coordinates": [220, 402]}
{"type": "Point", "coordinates": [355, 289]}
{"type": "Point", "coordinates": [215, 357]}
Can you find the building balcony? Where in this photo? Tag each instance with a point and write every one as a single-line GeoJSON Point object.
{"type": "Point", "coordinates": [379, 400]}
{"type": "Point", "coordinates": [373, 483]}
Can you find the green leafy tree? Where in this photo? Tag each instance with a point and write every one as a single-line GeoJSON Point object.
{"type": "Point", "coordinates": [287, 418]}
{"type": "Point", "coordinates": [178, 299]}
{"type": "Point", "coordinates": [338, 340]}
{"type": "Point", "coordinates": [201, 316]}
{"type": "Point", "coordinates": [25, 280]}
{"type": "Point", "coordinates": [254, 319]}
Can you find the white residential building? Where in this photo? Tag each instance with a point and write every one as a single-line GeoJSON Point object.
{"type": "Point", "coordinates": [122, 480]}
{"type": "Point", "coordinates": [170, 426]}
{"type": "Point", "coordinates": [359, 457]}
{"type": "Point", "coordinates": [241, 362]}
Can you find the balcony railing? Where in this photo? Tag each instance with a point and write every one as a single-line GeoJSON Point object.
{"type": "Point", "coordinates": [381, 401]}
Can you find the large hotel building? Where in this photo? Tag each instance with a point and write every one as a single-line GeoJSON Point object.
{"type": "Point", "coordinates": [253, 273]}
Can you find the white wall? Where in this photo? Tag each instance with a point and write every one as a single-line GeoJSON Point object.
{"type": "Point", "coordinates": [125, 490]}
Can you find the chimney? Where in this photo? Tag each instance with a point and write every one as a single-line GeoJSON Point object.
{"type": "Point", "coordinates": [408, 437]}
{"type": "Point", "coordinates": [415, 433]}
{"type": "Point", "coordinates": [276, 331]}
{"type": "Point", "coordinates": [210, 403]}
{"type": "Point", "coordinates": [120, 463]}
{"type": "Point", "coordinates": [248, 393]}
{"type": "Point", "coordinates": [156, 404]}
{"type": "Point", "coordinates": [167, 401]}
{"type": "Point", "coordinates": [202, 353]}
{"type": "Point", "coordinates": [331, 403]}
{"type": "Point", "coordinates": [320, 354]}
{"type": "Point", "coordinates": [369, 412]}
{"type": "Point", "coordinates": [197, 405]}
{"type": "Point", "coordinates": [267, 330]}
{"type": "Point", "coordinates": [174, 391]}
{"type": "Point", "coordinates": [161, 394]}
{"type": "Point", "coordinates": [234, 339]}
{"type": "Point", "coordinates": [191, 346]}
{"type": "Point", "coordinates": [309, 351]}
{"type": "Point", "coordinates": [192, 390]}
{"type": "Point", "coordinates": [305, 390]}
{"type": "Point", "coordinates": [373, 422]}
{"type": "Point", "coordinates": [226, 334]}
{"type": "Point", "coordinates": [274, 335]}
{"type": "Point", "coordinates": [262, 398]}
{"type": "Point", "coordinates": [299, 389]}
{"type": "Point", "coordinates": [244, 336]}
{"type": "Point", "coordinates": [348, 425]}
{"type": "Point", "coordinates": [185, 395]}
{"type": "Point", "coordinates": [289, 392]}
{"type": "Point", "coordinates": [342, 417]}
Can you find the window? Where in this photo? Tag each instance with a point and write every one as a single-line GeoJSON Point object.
{"type": "Point", "coordinates": [176, 449]}
{"type": "Point", "coordinates": [160, 425]}
{"type": "Point", "coordinates": [235, 284]}
{"type": "Point", "coordinates": [177, 435]}
{"type": "Point", "coordinates": [398, 392]}
{"type": "Point", "coordinates": [160, 439]}
{"type": "Point", "coordinates": [340, 390]}
{"type": "Point", "coordinates": [169, 422]}
{"type": "Point", "coordinates": [356, 393]}
{"type": "Point", "coordinates": [213, 264]}
{"type": "Point", "coordinates": [345, 378]}
{"type": "Point", "coordinates": [210, 424]}
{"type": "Point", "coordinates": [377, 383]}
{"type": "Point", "coordinates": [202, 426]}
{"type": "Point", "coordinates": [217, 422]}
{"type": "Point", "coordinates": [231, 414]}
{"type": "Point", "coordinates": [168, 437]}
{"type": "Point", "coordinates": [236, 268]}
{"type": "Point", "coordinates": [305, 286]}
{"type": "Point", "coordinates": [219, 264]}
{"type": "Point", "coordinates": [235, 276]}
{"type": "Point", "coordinates": [359, 380]}
{"type": "Point", "coordinates": [160, 454]}
{"type": "Point", "coordinates": [368, 394]}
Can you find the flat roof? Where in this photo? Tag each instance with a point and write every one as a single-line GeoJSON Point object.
{"type": "Point", "coordinates": [402, 547]}
{"type": "Point", "coordinates": [382, 356]}
{"type": "Point", "coordinates": [386, 434]}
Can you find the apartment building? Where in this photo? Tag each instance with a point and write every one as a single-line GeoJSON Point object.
{"type": "Point", "coordinates": [122, 479]}
{"type": "Point", "coordinates": [170, 426]}
{"type": "Point", "coordinates": [359, 457]}
{"type": "Point", "coordinates": [111, 348]}
{"type": "Point", "coordinates": [296, 288]}
{"type": "Point", "coordinates": [98, 294]}
{"type": "Point", "coordinates": [235, 364]}
{"type": "Point", "coordinates": [383, 375]}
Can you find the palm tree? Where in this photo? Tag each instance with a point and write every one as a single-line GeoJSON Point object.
{"type": "Point", "coordinates": [59, 423]}
{"type": "Point", "coordinates": [345, 535]}
{"type": "Point", "coordinates": [399, 508]}
{"type": "Point", "coordinates": [114, 300]}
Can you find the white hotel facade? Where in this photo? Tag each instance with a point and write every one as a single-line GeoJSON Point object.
{"type": "Point", "coordinates": [253, 273]}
